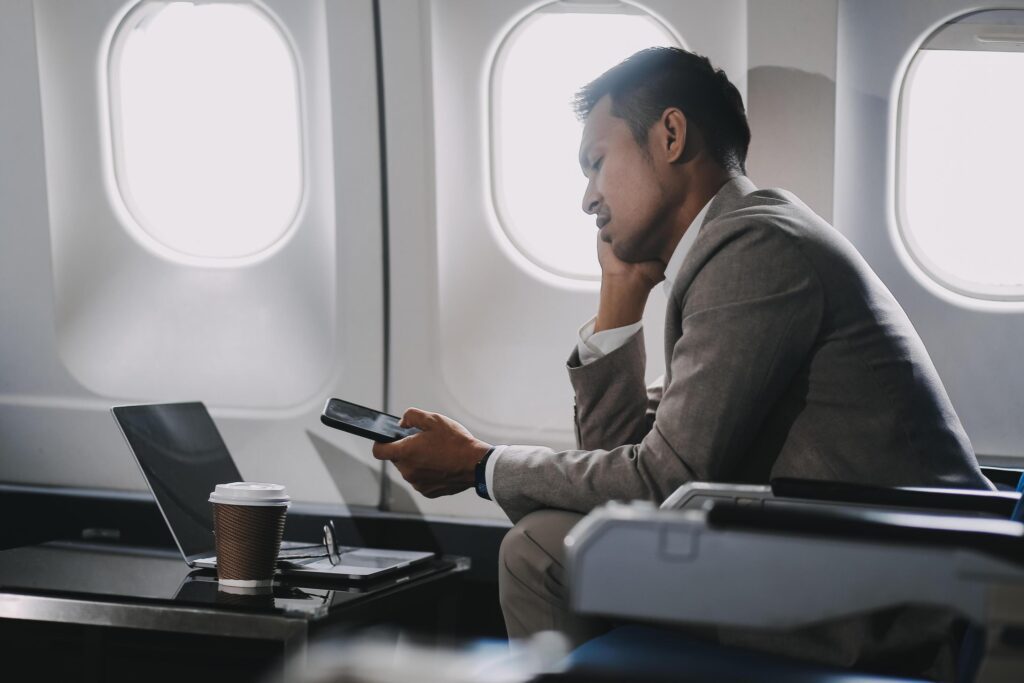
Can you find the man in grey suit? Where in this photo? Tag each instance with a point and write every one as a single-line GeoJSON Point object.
{"type": "Point", "coordinates": [785, 354]}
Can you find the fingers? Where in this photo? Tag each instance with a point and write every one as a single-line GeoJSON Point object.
{"type": "Point", "coordinates": [429, 460]}
{"type": "Point", "coordinates": [414, 417]}
{"type": "Point", "coordinates": [424, 484]}
{"type": "Point", "coordinates": [386, 451]}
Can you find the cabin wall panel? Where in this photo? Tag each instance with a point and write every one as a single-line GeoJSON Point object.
{"type": "Point", "coordinates": [470, 335]}
{"type": "Point", "coordinates": [975, 345]}
{"type": "Point", "coordinates": [44, 436]}
{"type": "Point", "coordinates": [28, 359]}
{"type": "Point", "coordinates": [791, 86]}
{"type": "Point", "coordinates": [138, 324]}
{"type": "Point", "coordinates": [56, 431]}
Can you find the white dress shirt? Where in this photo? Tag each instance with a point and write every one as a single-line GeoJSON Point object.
{"type": "Point", "coordinates": [592, 346]}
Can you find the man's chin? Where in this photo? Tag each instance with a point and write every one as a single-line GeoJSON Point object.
{"type": "Point", "coordinates": [624, 253]}
{"type": "Point", "coordinates": [630, 252]}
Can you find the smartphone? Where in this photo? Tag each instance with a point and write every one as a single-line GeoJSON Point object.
{"type": "Point", "coordinates": [365, 422]}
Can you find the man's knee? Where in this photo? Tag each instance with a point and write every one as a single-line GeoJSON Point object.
{"type": "Point", "coordinates": [532, 585]}
{"type": "Point", "coordinates": [511, 552]}
{"type": "Point", "coordinates": [535, 545]}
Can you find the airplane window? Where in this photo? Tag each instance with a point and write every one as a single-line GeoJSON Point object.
{"type": "Point", "coordinates": [958, 184]}
{"type": "Point", "coordinates": [537, 185]}
{"type": "Point", "coordinates": [206, 127]}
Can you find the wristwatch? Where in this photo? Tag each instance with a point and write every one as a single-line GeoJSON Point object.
{"type": "Point", "coordinates": [480, 472]}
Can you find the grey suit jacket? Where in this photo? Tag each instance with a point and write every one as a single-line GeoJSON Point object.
{"type": "Point", "coordinates": [785, 356]}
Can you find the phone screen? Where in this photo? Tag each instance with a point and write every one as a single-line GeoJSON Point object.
{"type": "Point", "coordinates": [366, 420]}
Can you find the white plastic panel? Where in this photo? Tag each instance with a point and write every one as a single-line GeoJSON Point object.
{"type": "Point", "coordinates": [974, 343]}
{"type": "Point", "coordinates": [254, 335]}
{"type": "Point", "coordinates": [478, 334]}
{"type": "Point", "coordinates": [92, 318]}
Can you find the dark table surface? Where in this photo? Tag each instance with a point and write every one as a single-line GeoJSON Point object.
{"type": "Point", "coordinates": [124, 574]}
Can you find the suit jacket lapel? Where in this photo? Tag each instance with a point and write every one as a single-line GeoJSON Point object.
{"type": "Point", "coordinates": [728, 197]}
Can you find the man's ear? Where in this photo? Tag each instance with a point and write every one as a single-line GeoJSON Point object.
{"type": "Point", "coordinates": [673, 125]}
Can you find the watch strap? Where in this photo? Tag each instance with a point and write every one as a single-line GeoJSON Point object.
{"type": "Point", "coordinates": [480, 473]}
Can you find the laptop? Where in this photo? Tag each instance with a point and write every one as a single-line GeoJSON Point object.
{"type": "Point", "coordinates": [183, 457]}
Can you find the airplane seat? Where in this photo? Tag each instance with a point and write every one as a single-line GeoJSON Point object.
{"type": "Point", "coordinates": [790, 492]}
{"type": "Point", "coordinates": [1001, 505]}
{"type": "Point", "coordinates": [1007, 502]}
{"type": "Point", "coordinates": [1008, 479]}
{"type": "Point", "coordinates": [1005, 478]}
{"type": "Point", "coordinates": [969, 523]}
{"type": "Point", "coordinates": [642, 652]}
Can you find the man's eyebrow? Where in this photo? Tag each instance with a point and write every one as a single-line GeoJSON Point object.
{"type": "Point", "coordinates": [590, 149]}
{"type": "Point", "coordinates": [584, 164]}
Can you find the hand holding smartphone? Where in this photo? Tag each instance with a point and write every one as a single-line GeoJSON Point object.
{"type": "Point", "coordinates": [364, 422]}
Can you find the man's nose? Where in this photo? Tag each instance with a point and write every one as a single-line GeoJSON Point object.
{"type": "Point", "coordinates": [591, 201]}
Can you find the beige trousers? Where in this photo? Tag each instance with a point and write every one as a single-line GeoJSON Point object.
{"type": "Point", "coordinates": [532, 582]}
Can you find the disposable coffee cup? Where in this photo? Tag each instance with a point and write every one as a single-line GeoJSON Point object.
{"type": "Point", "coordinates": [248, 523]}
{"type": "Point", "coordinates": [254, 597]}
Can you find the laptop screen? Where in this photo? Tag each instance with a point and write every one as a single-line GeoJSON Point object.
{"type": "Point", "coordinates": [182, 458]}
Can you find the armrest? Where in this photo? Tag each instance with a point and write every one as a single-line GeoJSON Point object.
{"type": "Point", "coordinates": [742, 565]}
{"type": "Point", "coordinates": [1005, 478]}
{"type": "Point", "coordinates": [694, 494]}
{"type": "Point", "coordinates": [1001, 538]}
{"type": "Point", "coordinates": [997, 503]}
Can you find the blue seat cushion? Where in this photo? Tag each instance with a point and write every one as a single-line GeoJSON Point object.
{"type": "Point", "coordinates": [648, 653]}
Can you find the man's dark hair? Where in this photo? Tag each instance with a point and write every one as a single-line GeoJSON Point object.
{"type": "Point", "coordinates": [644, 85]}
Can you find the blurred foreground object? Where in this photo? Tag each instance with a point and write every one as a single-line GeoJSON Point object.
{"type": "Point", "coordinates": [383, 658]}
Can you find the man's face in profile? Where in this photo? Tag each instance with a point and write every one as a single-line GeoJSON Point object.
{"type": "Point", "coordinates": [624, 192]}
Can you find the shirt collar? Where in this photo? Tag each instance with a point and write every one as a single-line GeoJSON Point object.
{"type": "Point", "coordinates": [683, 248]}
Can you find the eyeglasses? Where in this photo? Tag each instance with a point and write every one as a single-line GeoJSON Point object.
{"type": "Point", "coordinates": [331, 543]}
{"type": "Point", "coordinates": [328, 547]}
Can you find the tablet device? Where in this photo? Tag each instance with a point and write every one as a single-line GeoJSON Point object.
{"type": "Point", "coordinates": [365, 422]}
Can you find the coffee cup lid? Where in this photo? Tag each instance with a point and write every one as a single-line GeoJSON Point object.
{"type": "Point", "coordinates": [250, 493]}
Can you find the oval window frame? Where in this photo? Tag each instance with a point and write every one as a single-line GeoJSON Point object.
{"type": "Point", "coordinates": [962, 290]}
{"type": "Point", "coordinates": [122, 201]}
{"type": "Point", "coordinates": [501, 217]}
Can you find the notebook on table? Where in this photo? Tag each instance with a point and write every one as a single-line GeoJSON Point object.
{"type": "Point", "coordinates": [183, 457]}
